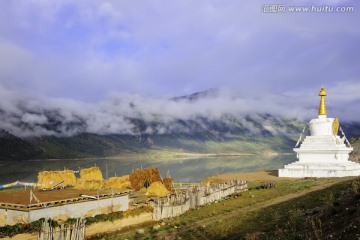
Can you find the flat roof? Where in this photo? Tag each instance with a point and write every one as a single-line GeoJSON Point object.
{"type": "Point", "coordinates": [23, 196]}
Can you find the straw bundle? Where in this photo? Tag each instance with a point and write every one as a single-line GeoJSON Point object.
{"type": "Point", "coordinates": [89, 184]}
{"type": "Point", "coordinates": [93, 173]}
{"type": "Point", "coordinates": [118, 183]}
{"type": "Point", "coordinates": [157, 189]}
{"type": "Point", "coordinates": [138, 178]}
{"type": "Point", "coordinates": [168, 183]}
{"type": "Point", "coordinates": [48, 179]}
{"type": "Point", "coordinates": [143, 190]}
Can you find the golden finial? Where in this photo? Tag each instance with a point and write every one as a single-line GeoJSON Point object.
{"type": "Point", "coordinates": [335, 126]}
{"type": "Point", "coordinates": [322, 107]}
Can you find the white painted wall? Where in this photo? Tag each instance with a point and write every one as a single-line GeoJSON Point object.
{"type": "Point", "coordinates": [75, 210]}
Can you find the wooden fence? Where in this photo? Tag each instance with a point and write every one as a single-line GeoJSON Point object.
{"type": "Point", "coordinates": [177, 204]}
{"type": "Point", "coordinates": [74, 231]}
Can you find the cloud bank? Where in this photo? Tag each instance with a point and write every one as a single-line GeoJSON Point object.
{"type": "Point", "coordinates": [27, 116]}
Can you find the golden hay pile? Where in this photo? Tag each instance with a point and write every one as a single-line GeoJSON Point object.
{"type": "Point", "coordinates": [168, 183]}
{"type": "Point", "coordinates": [137, 178]}
{"type": "Point", "coordinates": [157, 189]}
{"type": "Point", "coordinates": [93, 173]}
{"type": "Point", "coordinates": [90, 179]}
{"type": "Point", "coordinates": [118, 183]}
{"type": "Point", "coordinates": [51, 178]}
{"type": "Point", "coordinates": [89, 184]}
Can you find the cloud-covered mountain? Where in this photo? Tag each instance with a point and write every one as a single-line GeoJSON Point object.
{"type": "Point", "coordinates": [212, 121]}
{"type": "Point", "coordinates": [132, 114]}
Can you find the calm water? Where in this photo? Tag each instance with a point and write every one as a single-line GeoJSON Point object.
{"type": "Point", "coordinates": [189, 170]}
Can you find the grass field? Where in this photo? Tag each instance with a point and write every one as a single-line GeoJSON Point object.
{"type": "Point", "coordinates": [283, 212]}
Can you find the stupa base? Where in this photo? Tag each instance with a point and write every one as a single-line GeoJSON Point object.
{"type": "Point", "coordinates": [321, 170]}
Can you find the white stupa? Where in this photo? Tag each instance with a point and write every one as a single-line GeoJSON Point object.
{"type": "Point", "coordinates": [324, 153]}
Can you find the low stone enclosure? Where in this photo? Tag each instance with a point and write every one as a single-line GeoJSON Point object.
{"type": "Point", "coordinates": [80, 207]}
{"type": "Point", "coordinates": [192, 197]}
{"type": "Point", "coordinates": [187, 197]}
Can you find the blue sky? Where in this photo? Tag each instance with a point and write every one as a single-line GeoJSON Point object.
{"type": "Point", "coordinates": [91, 50]}
{"type": "Point", "coordinates": [87, 49]}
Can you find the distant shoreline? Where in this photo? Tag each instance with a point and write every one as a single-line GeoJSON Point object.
{"type": "Point", "coordinates": [165, 155]}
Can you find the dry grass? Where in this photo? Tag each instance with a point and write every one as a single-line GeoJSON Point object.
{"type": "Point", "coordinates": [89, 184]}
{"type": "Point", "coordinates": [93, 173]}
{"type": "Point", "coordinates": [90, 179]}
{"type": "Point", "coordinates": [168, 183]}
{"type": "Point", "coordinates": [137, 178]}
{"type": "Point", "coordinates": [51, 178]}
{"type": "Point", "coordinates": [118, 183]}
{"type": "Point", "coordinates": [157, 189]}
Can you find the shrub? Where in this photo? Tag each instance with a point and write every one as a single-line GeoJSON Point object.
{"type": "Point", "coordinates": [8, 231]}
{"type": "Point", "coordinates": [36, 225]}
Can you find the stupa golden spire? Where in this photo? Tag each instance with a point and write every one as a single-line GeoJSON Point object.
{"type": "Point", "coordinates": [322, 107]}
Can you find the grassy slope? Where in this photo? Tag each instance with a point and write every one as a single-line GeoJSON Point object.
{"type": "Point", "coordinates": [317, 215]}
{"type": "Point", "coordinates": [12, 147]}
{"type": "Point", "coordinates": [355, 155]}
{"type": "Point", "coordinates": [282, 212]}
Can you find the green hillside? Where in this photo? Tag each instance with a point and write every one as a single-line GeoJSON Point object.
{"type": "Point", "coordinates": [355, 143]}
{"type": "Point", "coordinates": [12, 147]}
{"type": "Point", "coordinates": [86, 145]}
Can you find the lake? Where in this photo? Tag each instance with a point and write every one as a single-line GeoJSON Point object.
{"type": "Point", "coordinates": [181, 170]}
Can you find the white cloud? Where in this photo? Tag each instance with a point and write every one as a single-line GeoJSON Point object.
{"type": "Point", "coordinates": [34, 119]}
{"type": "Point", "coordinates": [28, 116]}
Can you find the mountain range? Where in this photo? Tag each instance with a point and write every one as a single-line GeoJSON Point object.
{"type": "Point", "coordinates": [255, 133]}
